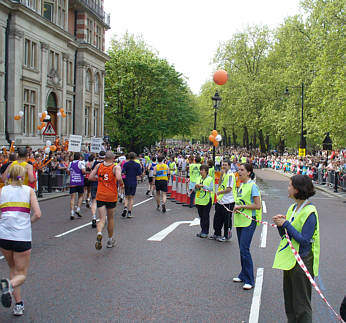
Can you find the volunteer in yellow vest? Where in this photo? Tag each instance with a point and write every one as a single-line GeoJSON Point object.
{"type": "Point", "coordinates": [204, 188]}
{"type": "Point", "coordinates": [161, 173]}
{"type": "Point", "coordinates": [302, 225]}
{"type": "Point", "coordinates": [194, 175]}
{"type": "Point", "coordinates": [225, 199]}
{"type": "Point", "coordinates": [248, 201]}
{"type": "Point", "coordinates": [21, 160]}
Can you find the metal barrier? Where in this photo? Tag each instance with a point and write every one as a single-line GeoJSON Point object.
{"type": "Point", "coordinates": [53, 182]}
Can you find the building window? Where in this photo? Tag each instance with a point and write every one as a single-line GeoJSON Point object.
{"type": "Point", "coordinates": [98, 42]}
{"type": "Point", "coordinates": [89, 31]}
{"type": "Point", "coordinates": [32, 4]}
{"type": "Point", "coordinates": [69, 117]}
{"type": "Point", "coordinates": [54, 61]}
{"type": "Point", "coordinates": [69, 73]}
{"type": "Point", "coordinates": [48, 10]}
{"type": "Point", "coordinates": [88, 81]}
{"type": "Point", "coordinates": [30, 54]}
{"type": "Point", "coordinates": [96, 121]}
{"type": "Point", "coordinates": [97, 84]}
{"type": "Point", "coordinates": [29, 120]}
{"type": "Point", "coordinates": [61, 13]}
{"type": "Point", "coordinates": [86, 121]}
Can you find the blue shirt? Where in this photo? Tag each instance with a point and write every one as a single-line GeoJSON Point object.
{"type": "Point", "coordinates": [131, 169]}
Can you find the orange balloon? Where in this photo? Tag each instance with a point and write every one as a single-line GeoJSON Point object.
{"type": "Point", "coordinates": [43, 115]}
{"type": "Point", "coordinates": [61, 110]}
{"type": "Point", "coordinates": [63, 115]}
{"type": "Point", "coordinates": [214, 133]}
{"type": "Point", "coordinates": [52, 148]}
{"type": "Point", "coordinates": [216, 143]}
{"type": "Point", "coordinates": [220, 77]}
{"type": "Point", "coordinates": [211, 138]}
{"type": "Point", "coordinates": [16, 117]}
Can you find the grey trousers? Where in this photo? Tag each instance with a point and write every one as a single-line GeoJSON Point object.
{"type": "Point", "coordinates": [297, 292]}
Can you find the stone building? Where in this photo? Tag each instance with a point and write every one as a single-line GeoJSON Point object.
{"type": "Point", "coordinates": [52, 57]}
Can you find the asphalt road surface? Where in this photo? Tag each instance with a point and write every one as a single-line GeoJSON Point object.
{"type": "Point", "coordinates": [180, 278]}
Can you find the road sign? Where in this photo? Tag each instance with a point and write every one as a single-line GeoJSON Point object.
{"type": "Point", "coordinates": [49, 130]}
{"type": "Point", "coordinates": [75, 143]}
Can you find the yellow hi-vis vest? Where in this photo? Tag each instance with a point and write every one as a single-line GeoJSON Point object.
{"type": "Point", "coordinates": [224, 184]}
{"type": "Point", "coordinates": [284, 257]}
{"type": "Point", "coordinates": [243, 197]}
{"type": "Point", "coordinates": [203, 197]}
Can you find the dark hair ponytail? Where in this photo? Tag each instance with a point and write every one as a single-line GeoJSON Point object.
{"type": "Point", "coordinates": [249, 168]}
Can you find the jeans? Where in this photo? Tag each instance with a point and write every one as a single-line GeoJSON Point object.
{"type": "Point", "coordinates": [245, 235]}
{"type": "Point", "coordinates": [192, 198]}
{"type": "Point", "coordinates": [203, 212]}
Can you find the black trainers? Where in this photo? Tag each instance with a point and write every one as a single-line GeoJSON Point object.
{"type": "Point", "coordinates": [147, 193]}
{"type": "Point", "coordinates": [78, 213]}
{"type": "Point", "coordinates": [124, 213]}
{"type": "Point", "coordinates": [93, 223]}
{"type": "Point", "coordinates": [163, 208]}
{"type": "Point", "coordinates": [158, 208]}
{"type": "Point", "coordinates": [71, 217]}
{"type": "Point", "coordinates": [6, 292]}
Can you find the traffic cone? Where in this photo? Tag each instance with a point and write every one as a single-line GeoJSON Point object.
{"type": "Point", "coordinates": [179, 191]}
{"type": "Point", "coordinates": [174, 189]}
{"type": "Point", "coordinates": [169, 192]}
{"type": "Point", "coordinates": [185, 192]}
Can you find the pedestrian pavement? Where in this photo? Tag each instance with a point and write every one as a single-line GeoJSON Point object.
{"type": "Point", "coordinates": [324, 188]}
{"type": "Point", "coordinates": [52, 195]}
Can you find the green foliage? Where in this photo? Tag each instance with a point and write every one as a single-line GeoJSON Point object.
{"type": "Point", "coordinates": [146, 98]}
{"type": "Point", "coordinates": [261, 63]}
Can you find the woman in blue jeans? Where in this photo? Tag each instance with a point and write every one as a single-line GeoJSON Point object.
{"type": "Point", "coordinates": [248, 201]}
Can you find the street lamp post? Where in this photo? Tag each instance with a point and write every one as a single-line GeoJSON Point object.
{"type": "Point", "coordinates": [216, 104]}
{"type": "Point", "coordinates": [302, 144]}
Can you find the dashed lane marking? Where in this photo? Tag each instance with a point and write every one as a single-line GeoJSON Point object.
{"type": "Point", "coordinates": [256, 298]}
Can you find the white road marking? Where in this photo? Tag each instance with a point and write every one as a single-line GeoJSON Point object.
{"type": "Point", "coordinates": [256, 298]}
{"type": "Point", "coordinates": [264, 207]}
{"type": "Point", "coordinates": [165, 232]}
{"type": "Point", "coordinates": [264, 228]}
{"type": "Point", "coordinates": [264, 236]}
{"type": "Point", "coordinates": [89, 223]}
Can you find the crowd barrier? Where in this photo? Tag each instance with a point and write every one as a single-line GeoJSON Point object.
{"type": "Point", "coordinates": [53, 181]}
{"type": "Point", "coordinates": [322, 176]}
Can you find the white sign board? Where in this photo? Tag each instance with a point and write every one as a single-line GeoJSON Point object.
{"type": "Point", "coordinates": [75, 143]}
{"type": "Point", "coordinates": [96, 145]}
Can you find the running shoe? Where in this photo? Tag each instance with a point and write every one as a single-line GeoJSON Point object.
{"type": "Point", "coordinates": [124, 213]}
{"type": "Point", "coordinates": [78, 213]}
{"type": "Point", "coordinates": [163, 208]}
{"type": "Point", "coordinates": [212, 237]}
{"type": "Point", "coordinates": [237, 280]}
{"type": "Point", "coordinates": [87, 204]}
{"type": "Point", "coordinates": [72, 217]}
{"type": "Point", "coordinates": [6, 292]}
{"type": "Point", "coordinates": [147, 193]}
{"type": "Point", "coordinates": [201, 235]}
{"type": "Point", "coordinates": [121, 200]}
{"type": "Point", "coordinates": [18, 309]}
{"type": "Point", "coordinates": [110, 243]}
{"type": "Point", "coordinates": [220, 239]}
{"type": "Point", "coordinates": [247, 286]}
{"type": "Point", "coordinates": [93, 223]}
{"type": "Point", "coordinates": [158, 208]}
{"type": "Point", "coordinates": [129, 215]}
{"type": "Point", "coordinates": [151, 195]}
{"type": "Point", "coordinates": [98, 243]}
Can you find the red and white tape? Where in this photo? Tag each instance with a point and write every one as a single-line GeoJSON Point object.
{"type": "Point", "coordinates": [299, 260]}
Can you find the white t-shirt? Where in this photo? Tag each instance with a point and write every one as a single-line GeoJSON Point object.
{"type": "Point", "coordinates": [228, 198]}
{"type": "Point", "coordinates": [15, 224]}
{"type": "Point", "coordinates": [81, 164]}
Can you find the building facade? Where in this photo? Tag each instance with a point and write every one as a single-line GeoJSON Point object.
{"type": "Point", "coordinates": [51, 57]}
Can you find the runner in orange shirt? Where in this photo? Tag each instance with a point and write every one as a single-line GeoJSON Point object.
{"type": "Point", "coordinates": [107, 176]}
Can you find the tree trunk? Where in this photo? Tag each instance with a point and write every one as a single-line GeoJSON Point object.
{"type": "Point", "coordinates": [262, 143]}
{"type": "Point", "coordinates": [224, 137]}
{"type": "Point", "coordinates": [246, 138]}
{"type": "Point", "coordinates": [254, 140]}
{"type": "Point", "coordinates": [267, 142]}
{"type": "Point", "coordinates": [234, 139]}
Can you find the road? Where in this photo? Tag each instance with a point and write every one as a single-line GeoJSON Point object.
{"type": "Point", "coordinates": [180, 278]}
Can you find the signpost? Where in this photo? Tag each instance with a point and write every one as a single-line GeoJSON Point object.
{"type": "Point", "coordinates": [49, 130]}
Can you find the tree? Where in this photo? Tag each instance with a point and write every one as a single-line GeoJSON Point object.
{"type": "Point", "coordinates": [146, 98]}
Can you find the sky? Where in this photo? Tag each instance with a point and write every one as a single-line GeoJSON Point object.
{"type": "Point", "coordinates": [188, 32]}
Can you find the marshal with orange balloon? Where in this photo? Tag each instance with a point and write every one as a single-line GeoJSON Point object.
{"type": "Point", "coordinates": [220, 77]}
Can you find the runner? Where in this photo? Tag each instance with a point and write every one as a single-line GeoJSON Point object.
{"type": "Point", "coordinates": [106, 196]}
{"type": "Point", "coordinates": [93, 189]}
{"type": "Point", "coordinates": [131, 170]}
{"type": "Point", "coordinates": [151, 166]}
{"type": "Point", "coordinates": [161, 173]}
{"type": "Point", "coordinates": [87, 187]}
{"type": "Point", "coordinates": [172, 168]}
{"type": "Point", "coordinates": [302, 226]}
{"type": "Point", "coordinates": [16, 200]}
{"type": "Point", "coordinates": [76, 169]}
